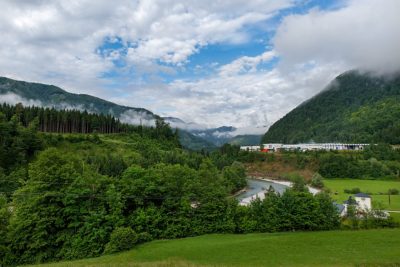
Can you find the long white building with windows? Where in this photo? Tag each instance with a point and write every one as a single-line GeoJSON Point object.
{"type": "Point", "coordinates": [305, 147]}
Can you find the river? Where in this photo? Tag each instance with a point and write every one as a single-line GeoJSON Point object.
{"type": "Point", "coordinates": [256, 188]}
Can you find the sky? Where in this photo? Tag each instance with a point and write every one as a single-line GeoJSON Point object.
{"type": "Point", "coordinates": [242, 63]}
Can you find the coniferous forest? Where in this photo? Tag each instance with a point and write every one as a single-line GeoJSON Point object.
{"type": "Point", "coordinates": [67, 194]}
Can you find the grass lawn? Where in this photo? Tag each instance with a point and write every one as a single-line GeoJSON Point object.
{"type": "Point", "coordinates": [366, 186]}
{"type": "Point", "coordinates": [334, 248]}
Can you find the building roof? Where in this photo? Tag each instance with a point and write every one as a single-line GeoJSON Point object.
{"type": "Point", "coordinates": [362, 195]}
{"type": "Point", "coordinates": [350, 201]}
{"type": "Point", "coordinates": [340, 207]}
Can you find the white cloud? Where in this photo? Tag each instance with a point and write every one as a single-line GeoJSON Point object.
{"type": "Point", "coordinates": [248, 101]}
{"type": "Point", "coordinates": [363, 34]}
{"type": "Point", "coordinates": [245, 64]}
{"type": "Point", "coordinates": [57, 41]}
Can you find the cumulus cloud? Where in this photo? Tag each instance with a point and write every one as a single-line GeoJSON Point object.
{"type": "Point", "coordinates": [250, 101]}
{"type": "Point", "coordinates": [245, 64]}
{"type": "Point", "coordinates": [362, 34]}
{"type": "Point", "coordinates": [58, 41]}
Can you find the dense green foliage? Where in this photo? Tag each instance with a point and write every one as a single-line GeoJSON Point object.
{"type": "Point", "coordinates": [122, 238]}
{"type": "Point", "coordinates": [375, 162]}
{"type": "Point", "coordinates": [75, 121]}
{"type": "Point", "coordinates": [72, 192]}
{"type": "Point", "coordinates": [333, 248]}
{"type": "Point", "coordinates": [356, 107]}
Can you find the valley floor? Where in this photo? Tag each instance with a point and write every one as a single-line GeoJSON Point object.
{"type": "Point", "coordinates": [332, 248]}
{"type": "Point", "coordinates": [377, 189]}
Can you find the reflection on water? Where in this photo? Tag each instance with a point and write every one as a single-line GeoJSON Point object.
{"type": "Point", "coordinates": [256, 186]}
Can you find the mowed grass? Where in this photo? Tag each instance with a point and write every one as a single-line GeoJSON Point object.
{"type": "Point", "coordinates": [366, 186]}
{"type": "Point", "coordinates": [333, 248]}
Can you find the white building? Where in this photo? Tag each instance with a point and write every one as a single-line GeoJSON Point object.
{"type": "Point", "coordinates": [363, 201]}
{"type": "Point", "coordinates": [306, 147]}
{"type": "Point", "coordinates": [250, 148]}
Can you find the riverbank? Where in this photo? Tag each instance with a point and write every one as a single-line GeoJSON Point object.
{"type": "Point", "coordinates": [258, 186]}
{"type": "Point", "coordinates": [312, 190]}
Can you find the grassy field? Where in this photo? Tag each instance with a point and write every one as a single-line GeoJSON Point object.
{"type": "Point", "coordinates": [334, 248]}
{"type": "Point", "coordinates": [374, 187]}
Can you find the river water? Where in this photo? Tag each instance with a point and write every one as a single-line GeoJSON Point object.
{"type": "Point", "coordinates": [256, 187]}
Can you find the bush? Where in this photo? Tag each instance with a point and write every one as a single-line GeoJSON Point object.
{"type": "Point", "coordinates": [316, 181]}
{"type": "Point", "coordinates": [393, 191]}
{"type": "Point", "coordinates": [144, 237]}
{"type": "Point", "coordinates": [354, 190]}
{"type": "Point", "coordinates": [122, 238]}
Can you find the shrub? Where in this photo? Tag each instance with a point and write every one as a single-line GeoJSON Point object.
{"type": "Point", "coordinates": [354, 190]}
{"type": "Point", "coordinates": [393, 191]}
{"type": "Point", "coordinates": [144, 237]}
{"type": "Point", "coordinates": [122, 238]}
{"type": "Point", "coordinates": [316, 181]}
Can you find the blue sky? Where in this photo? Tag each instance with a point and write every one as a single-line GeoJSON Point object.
{"type": "Point", "coordinates": [244, 63]}
{"type": "Point", "coordinates": [203, 62]}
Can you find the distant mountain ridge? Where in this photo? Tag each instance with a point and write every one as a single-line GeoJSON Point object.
{"type": "Point", "coordinates": [53, 96]}
{"type": "Point", "coordinates": [215, 136]}
{"type": "Point", "coordinates": [355, 107]}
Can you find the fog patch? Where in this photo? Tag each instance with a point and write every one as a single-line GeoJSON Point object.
{"type": "Point", "coordinates": [137, 118]}
{"type": "Point", "coordinates": [13, 99]}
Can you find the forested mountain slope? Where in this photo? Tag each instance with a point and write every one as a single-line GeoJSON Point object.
{"type": "Point", "coordinates": [355, 107]}
{"type": "Point", "coordinates": [53, 96]}
{"type": "Point", "coordinates": [44, 95]}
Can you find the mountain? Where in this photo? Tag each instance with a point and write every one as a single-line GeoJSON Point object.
{"type": "Point", "coordinates": [37, 94]}
{"type": "Point", "coordinates": [192, 142]}
{"type": "Point", "coordinates": [52, 96]}
{"type": "Point", "coordinates": [246, 140]}
{"type": "Point", "coordinates": [217, 136]}
{"type": "Point", "coordinates": [355, 107]}
{"type": "Point", "coordinates": [213, 136]}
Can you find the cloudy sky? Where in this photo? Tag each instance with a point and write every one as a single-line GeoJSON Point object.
{"type": "Point", "coordinates": [243, 63]}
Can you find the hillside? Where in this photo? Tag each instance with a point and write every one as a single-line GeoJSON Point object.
{"type": "Point", "coordinates": [355, 107]}
{"type": "Point", "coordinates": [193, 142]}
{"type": "Point", "coordinates": [52, 96]}
{"type": "Point", "coordinates": [334, 248]}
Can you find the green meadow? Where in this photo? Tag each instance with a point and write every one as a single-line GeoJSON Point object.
{"type": "Point", "coordinates": [331, 248]}
{"type": "Point", "coordinates": [376, 188]}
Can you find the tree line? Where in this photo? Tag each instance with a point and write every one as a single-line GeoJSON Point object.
{"type": "Point", "coordinates": [75, 121]}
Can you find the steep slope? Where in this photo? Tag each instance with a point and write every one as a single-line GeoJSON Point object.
{"type": "Point", "coordinates": [53, 96]}
{"type": "Point", "coordinates": [355, 107]}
